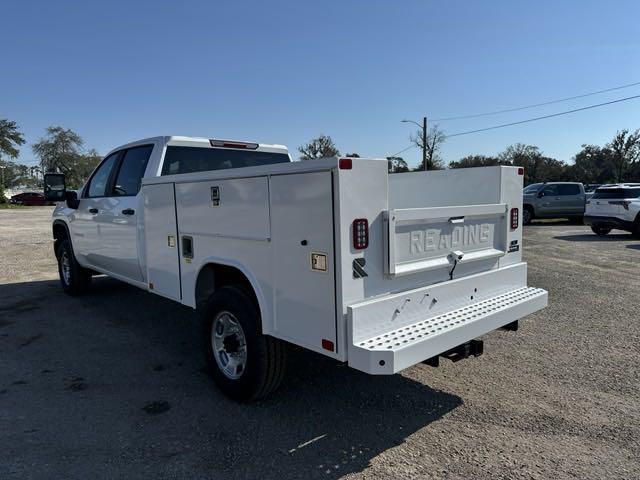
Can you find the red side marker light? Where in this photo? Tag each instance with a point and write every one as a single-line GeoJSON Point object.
{"type": "Point", "coordinates": [327, 345]}
{"type": "Point", "coordinates": [345, 164]}
{"type": "Point", "coordinates": [521, 171]}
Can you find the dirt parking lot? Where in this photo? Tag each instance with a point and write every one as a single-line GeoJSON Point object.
{"type": "Point", "coordinates": [111, 385]}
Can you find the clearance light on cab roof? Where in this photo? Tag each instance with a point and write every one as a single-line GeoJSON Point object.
{"type": "Point", "coordinates": [228, 144]}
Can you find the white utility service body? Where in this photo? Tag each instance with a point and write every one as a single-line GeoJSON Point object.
{"type": "Point", "coordinates": [442, 263]}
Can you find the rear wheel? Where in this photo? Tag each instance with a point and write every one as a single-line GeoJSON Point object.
{"type": "Point", "coordinates": [245, 364]}
{"type": "Point", "coordinates": [527, 215]}
{"type": "Point", "coordinates": [74, 278]}
{"type": "Point", "coordinates": [600, 231]}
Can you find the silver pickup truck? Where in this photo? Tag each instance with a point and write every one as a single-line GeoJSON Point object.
{"type": "Point", "coordinates": [553, 200]}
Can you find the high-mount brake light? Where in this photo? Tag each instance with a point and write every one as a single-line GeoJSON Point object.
{"type": "Point", "coordinates": [521, 171]}
{"type": "Point", "coordinates": [515, 218]}
{"type": "Point", "coordinates": [228, 144]}
{"type": "Point", "coordinates": [360, 233]}
{"type": "Point", "coordinates": [345, 164]}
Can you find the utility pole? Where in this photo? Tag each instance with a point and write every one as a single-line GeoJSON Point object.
{"type": "Point", "coordinates": [423, 127]}
{"type": "Point", "coordinates": [424, 143]}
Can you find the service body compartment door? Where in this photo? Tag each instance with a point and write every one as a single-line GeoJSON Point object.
{"type": "Point", "coordinates": [421, 239]}
{"type": "Point", "coordinates": [303, 258]}
{"type": "Point", "coordinates": [161, 240]}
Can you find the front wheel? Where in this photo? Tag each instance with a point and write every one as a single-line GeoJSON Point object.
{"type": "Point", "coordinates": [600, 231]}
{"type": "Point", "coordinates": [245, 364]}
{"type": "Point", "coordinates": [74, 278]}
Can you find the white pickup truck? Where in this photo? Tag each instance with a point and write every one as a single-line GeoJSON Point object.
{"type": "Point", "coordinates": [334, 255]}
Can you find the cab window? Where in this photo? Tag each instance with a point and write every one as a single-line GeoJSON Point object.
{"type": "Point", "coordinates": [100, 180]}
{"type": "Point", "coordinates": [550, 190]}
{"type": "Point", "coordinates": [568, 189]}
{"type": "Point", "coordinates": [131, 171]}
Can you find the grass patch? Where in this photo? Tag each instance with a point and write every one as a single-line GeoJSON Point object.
{"type": "Point", "coordinates": [11, 206]}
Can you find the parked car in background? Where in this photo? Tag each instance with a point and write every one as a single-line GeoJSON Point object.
{"type": "Point", "coordinates": [590, 188]}
{"type": "Point", "coordinates": [614, 207]}
{"type": "Point", "coordinates": [553, 200]}
{"type": "Point", "coordinates": [31, 199]}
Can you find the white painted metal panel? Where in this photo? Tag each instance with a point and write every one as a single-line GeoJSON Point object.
{"type": "Point", "coordinates": [242, 211]}
{"type": "Point", "coordinates": [161, 240]}
{"type": "Point", "coordinates": [421, 239]}
{"type": "Point", "coordinates": [404, 347]}
{"type": "Point", "coordinates": [302, 225]}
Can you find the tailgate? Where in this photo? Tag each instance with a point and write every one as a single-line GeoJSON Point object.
{"type": "Point", "coordinates": [421, 239]}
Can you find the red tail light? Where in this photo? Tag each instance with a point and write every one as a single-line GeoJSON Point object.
{"type": "Point", "coordinates": [360, 233]}
{"type": "Point", "coordinates": [515, 218]}
{"type": "Point", "coordinates": [345, 164]}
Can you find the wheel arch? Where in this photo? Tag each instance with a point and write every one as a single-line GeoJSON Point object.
{"type": "Point", "coordinates": [215, 273]}
{"type": "Point", "coordinates": [60, 232]}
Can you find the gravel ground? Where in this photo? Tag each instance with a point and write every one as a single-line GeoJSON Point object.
{"type": "Point", "coordinates": [111, 385]}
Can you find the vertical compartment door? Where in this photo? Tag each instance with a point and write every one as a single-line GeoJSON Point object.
{"type": "Point", "coordinates": [303, 259]}
{"type": "Point", "coordinates": [161, 240]}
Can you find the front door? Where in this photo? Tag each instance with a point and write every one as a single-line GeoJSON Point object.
{"type": "Point", "coordinates": [84, 220]}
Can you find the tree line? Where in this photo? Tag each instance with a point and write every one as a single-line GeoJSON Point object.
{"type": "Point", "coordinates": [63, 150]}
{"type": "Point", "coordinates": [615, 162]}
{"type": "Point", "coordinates": [59, 150]}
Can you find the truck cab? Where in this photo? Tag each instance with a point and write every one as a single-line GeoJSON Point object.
{"type": "Point", "coordinates": [107, 224]}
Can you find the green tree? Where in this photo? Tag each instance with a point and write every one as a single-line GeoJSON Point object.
{"type": "Point", "coordinates": [397, 165]}
{"type": "Point", "coordinates": [435, 139]}
{"type": "Point", "coordinates": [593, 164]}
{"type": "Point", "coordinates": [10, 139]}
{"type": "Point", "coordinates": [625, 152]}
{"type": "Point", "coordinates": [478, 161]}
{"type": "Point", "coordinates": [320, 147]}
{"type": "Point", "coordinates": [58, 150]}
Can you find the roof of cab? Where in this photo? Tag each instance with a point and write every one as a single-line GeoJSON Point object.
{"type": "Point", "coordinates": [197, 142]}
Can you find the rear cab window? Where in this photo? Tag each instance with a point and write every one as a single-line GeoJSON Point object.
{"type": "Point", "coordinates": [181, 159]}
{"type": "Point", "coordinates": [568, 189]}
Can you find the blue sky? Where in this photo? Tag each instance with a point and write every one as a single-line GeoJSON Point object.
{"type": "Point", "coordinates": [284, 72]}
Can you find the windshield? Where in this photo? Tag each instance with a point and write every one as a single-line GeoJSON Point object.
{"type": "Point", "coordinates": [533, 188]}
{"type": "Point", "coordinates": [617, 193]}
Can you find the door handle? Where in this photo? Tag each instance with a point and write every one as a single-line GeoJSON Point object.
{"type": "Point", "coordinates": [93, 210]}
{"type": "Point", "coordinates": [128, 211]}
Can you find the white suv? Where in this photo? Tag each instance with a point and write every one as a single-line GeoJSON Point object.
{"type": "Point", "coordinates": [614, 206]}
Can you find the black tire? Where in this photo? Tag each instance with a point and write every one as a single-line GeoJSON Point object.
{"type": "Point", "coordinates": [636, 230]}
{"type": "Point", "coordinates": [264, 356]}
{"type": "Point", "coordinates": [77, 280]}
{"type": "Point", "coordinates": [600, 231]}
{"type": "Point", "coordinates": [527, 215]}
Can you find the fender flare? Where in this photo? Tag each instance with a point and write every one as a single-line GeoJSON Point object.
{"type": "Point", "coordinates": [262, 303]}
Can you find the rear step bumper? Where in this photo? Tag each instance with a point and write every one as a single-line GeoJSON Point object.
{"type": "Point", "coordinates": [390, 351]}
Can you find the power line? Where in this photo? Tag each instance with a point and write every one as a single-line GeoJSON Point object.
{"type": "Point", "coordinates": [515, 109]}
{"type": "Point", "coordinates": [535, 119]}
{"type": "Point", "coordinates": [543, 117]}
{"type": "Point", "coordinates": [403, 150]}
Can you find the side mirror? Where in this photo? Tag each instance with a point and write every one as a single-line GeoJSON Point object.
{"type": "Point", "coordinates": [54, 187]}
{"type": "Point", "coordinates": [541, 194]}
